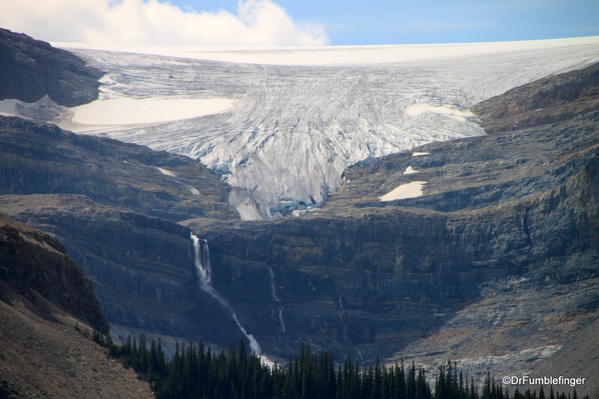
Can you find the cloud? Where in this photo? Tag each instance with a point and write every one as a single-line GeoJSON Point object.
{"type": "Point", "coordinates": [157, 23]}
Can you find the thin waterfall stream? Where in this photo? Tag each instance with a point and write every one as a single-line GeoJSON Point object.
{"type": "Point", "coordinates": [275, 297]}
{"type": "Point", "coordinates": [204, 269]}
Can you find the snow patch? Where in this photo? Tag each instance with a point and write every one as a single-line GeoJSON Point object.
{"type": "Point", "coordinates": [131, 111]}
{"type": "Point", "coordinates": [450, 112]}
{"type": "Point", "coordinates": [43, 109]}
{"type": "Point", "coordinates": [403, 191]}
{"type": "Point", "coordinates": [166, 172]}
{"type": "Point", "coordinates": [193, 190]}
{"type": "Point", "coordinates": [410, 171]}
{"type": "Point", "coordinates": [420, 154]}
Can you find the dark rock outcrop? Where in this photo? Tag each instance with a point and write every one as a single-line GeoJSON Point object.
{"type": "Point", "coordinates": [33, 263]}
{"type": "Point", "coordinates": [545, 101]}
{"type": "Point", "coordinates": [47, 313]}
{"type": "Point", "coordinates": [31, 69]}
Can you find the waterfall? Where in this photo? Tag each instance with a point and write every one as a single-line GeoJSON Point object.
{"type": "Point", "coordinates": [281, 320]}
{"type": "Point", "coordinates": [273, 289]}
{"type": "Point", "coordinates": [201, 253]}
{"type": "Point", "coordinates": [275, 297]}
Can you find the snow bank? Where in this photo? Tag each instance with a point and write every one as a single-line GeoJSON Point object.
{"type": "Point", "coordinates": [419, 109]}
{"type": "Point", "coordinates": [410, 171]}
{"type": "Point", "coordinates": [9, 107]}
{"type": "Point", "coordinates": [130, 111]}
{"type": "Point", "coordinates": [167, 172]}
{"type": "Point", "coordinates": [403, 191]}
{"type": "Point", "coordinates": [193, 190]}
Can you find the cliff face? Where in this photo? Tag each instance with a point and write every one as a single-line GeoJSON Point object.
{"type": "Point", "coordinates": [32, 69]}
{"type": "Point", "coordinates": [510, 215]}
{"type": "Point", "coordinates": [34, 263]}
{"type": "Point", "coordinates": [114, 205]}
{"type": "Point", "coordinates": [43, 296]}
{"type": "Point", "coordinates": [142, 267]}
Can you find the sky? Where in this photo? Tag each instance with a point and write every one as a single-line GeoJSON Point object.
{"type": "Point", "coordinates": [284, 23]}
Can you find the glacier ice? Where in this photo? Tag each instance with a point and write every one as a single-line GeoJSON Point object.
{"type": "Point", "coordinates": [293, 129]}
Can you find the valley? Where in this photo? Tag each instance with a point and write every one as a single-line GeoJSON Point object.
{"type": "Point", "coordinates": [404, 211]}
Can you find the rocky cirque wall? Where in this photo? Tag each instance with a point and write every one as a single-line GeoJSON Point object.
{"type": "Point", "coordinates": [115, 207]}
{"type": "Point", "coordinates": [366, 278]}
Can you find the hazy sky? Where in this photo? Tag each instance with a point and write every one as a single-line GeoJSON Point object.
{"type": "Point", "coordinates": [436, 21]}
{"type": "Point", "coordinates": [298, 22]}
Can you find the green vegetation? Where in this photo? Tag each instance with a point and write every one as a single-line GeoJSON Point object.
{"type": "Point", "coordinates": [195, 371]}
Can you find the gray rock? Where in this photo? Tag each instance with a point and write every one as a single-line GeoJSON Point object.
{"type": "Point", "coordinates": [31, 69]}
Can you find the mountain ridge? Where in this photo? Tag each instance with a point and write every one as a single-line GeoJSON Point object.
{"type": "Point", "coordinates": [32, 69]}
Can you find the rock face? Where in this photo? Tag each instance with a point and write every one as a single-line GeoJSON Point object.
{"type": "Point", "coordinates": [38, 158]}
{"type": "Point", "coordinates": [43, 295]}
{"type": "Point", "coordinates": [32, 69]}
{"type": "Point", "coordinates": [115, 205]}
{"type": "Point", "coordinates": [35, 264]}
{"type": "Point", "coordinates": [361, 276]}
{"type": "Point", "coordinates": [509, 215]}
{"type": "Point", "coordinates": [548, 100]}
{"type": "Point", "coordinates": [142, 267]}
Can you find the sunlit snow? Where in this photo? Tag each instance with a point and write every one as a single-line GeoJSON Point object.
{"type": "Point", "coordinates": [420, 154]}
{"type": "Point", "coordinates": [127, 111]}
{"type": "Point", "coordinates": [419, 109]}
{"type": "Point", "coordinates": [341, 55]}
{"type": "Point", "coordinates": [167, 172]}
{"type": "Point", "coordinates": [410, 171]}
{"type": "Point", "coordinates": [193, 190]}
{"type": "Point", "coordinates": [301, 116]}
{"type": "Point", "coordinates": [403, 191]}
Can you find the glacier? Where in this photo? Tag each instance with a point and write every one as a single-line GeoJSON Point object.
{"type": "Point", "coordinates": [296, 118]}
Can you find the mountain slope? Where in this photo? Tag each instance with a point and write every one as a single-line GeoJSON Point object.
{"type": "Point", "coordinates": [35, 264]}
{"type": "Point", "coordinates": [115, 206]}
{"type": "Point", "coordinates": [32, 69]}
{"type": "Point", "coordinates": [502, 243]}
{"type": "Point", "coordinates": [37, 158]}
{"type": "Point", "coordinates": [43, 296]}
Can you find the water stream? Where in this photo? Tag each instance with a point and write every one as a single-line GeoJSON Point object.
{"type": "Point", "coordinates": [202, 264]}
